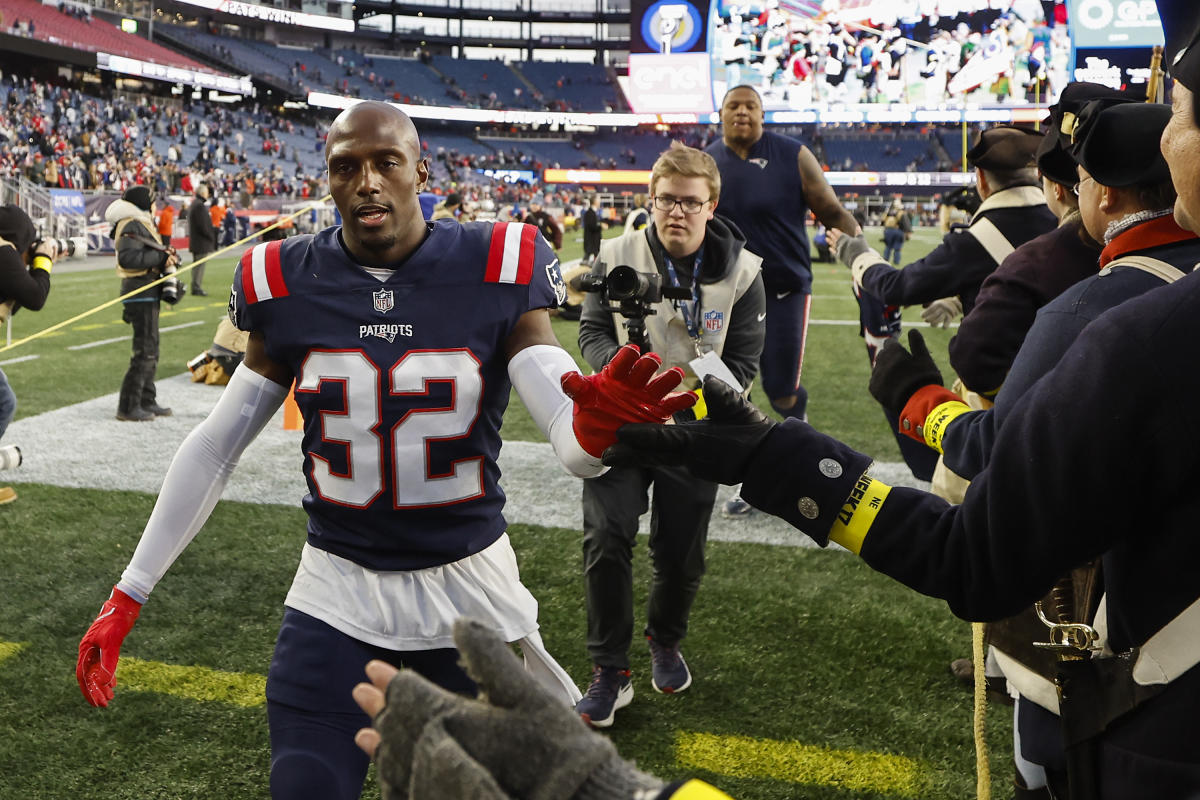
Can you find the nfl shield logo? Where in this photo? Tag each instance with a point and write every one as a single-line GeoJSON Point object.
{"type": "Point", "coordinates": [714, 321]}
{"type": "Point", "coordinates": [383, 300]}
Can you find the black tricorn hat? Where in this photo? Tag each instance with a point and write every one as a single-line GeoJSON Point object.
{"type": "Point", "coordinates": [1186, 70]}
{"type": "Point", "coordinates": [1005, 148]}
{"type": "Point", "coordinates": [1118, 144]}
{"type": "Point", "coordinates": [1052, 157]}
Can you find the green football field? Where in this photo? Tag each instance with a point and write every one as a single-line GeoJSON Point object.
{"type": "Point", "coordinates": [814, 677]}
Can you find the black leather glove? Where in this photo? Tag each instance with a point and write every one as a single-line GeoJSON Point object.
{"type": "Point", "coordinates": [898, 374]}
{"type": "Point", "coordinates": [515, 741]}
{"type": "Point", "coordinates": [717, 448]}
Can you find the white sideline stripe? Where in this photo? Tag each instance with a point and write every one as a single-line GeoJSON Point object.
{"type": "Point", "coordinates": [17, 360]}
{"type": "Point", "coordinates": [103, 342]}
{"type": "Point", "coordinates": [854, 323]}
{"type": "Point", "coordinates": [84, 446]}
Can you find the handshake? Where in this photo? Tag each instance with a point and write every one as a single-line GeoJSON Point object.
{"type": "Point", "coordinates": [628, 388]}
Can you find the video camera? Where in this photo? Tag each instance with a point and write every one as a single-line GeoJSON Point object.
{"type": "Point", "coordinates": [71, 247]}
{"type": "Point", "coordinates": [632, 295]}
{"type": "Point", "coordinates": [964, 198]}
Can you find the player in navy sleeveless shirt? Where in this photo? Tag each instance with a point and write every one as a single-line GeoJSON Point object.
{"type": "Point", "coordinates": [769, 184]}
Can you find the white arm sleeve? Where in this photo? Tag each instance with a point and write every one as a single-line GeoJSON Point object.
{"type": "Point", "coordinates": [536, 373]}
{"type": "Point", "coordinates": [197, 476]}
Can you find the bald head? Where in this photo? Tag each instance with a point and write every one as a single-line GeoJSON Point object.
{"type": "Point", "coordinates": [375, 174]}
{"type": "Point", "coordinates": [372, 119]}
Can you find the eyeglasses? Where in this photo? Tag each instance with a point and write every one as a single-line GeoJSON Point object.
{"type": "Point", "coordinates": [1075, 188]}
{"type": "Point", "coordinates": [690, 205]}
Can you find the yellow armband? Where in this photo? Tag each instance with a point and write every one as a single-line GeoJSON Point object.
{"type": "Point", "coordinates": [939, 420]}
{"type": "Point", "coordinates": [697, 790]}
{"type": "Point", "coordinates": [858, 513]}
{"type": "Point", "coordinates": [43, 262]}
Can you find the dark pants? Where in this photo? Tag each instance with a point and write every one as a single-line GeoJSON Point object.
{"type": "Point", "coordinates": [137, 388]}
{"type": "Point", "coordinates": [198, 272]}
{"type": "Point", "coordinates": [893, 242]}
{"type": "Point", "coordinates": [310, 712]}
{"type": "Point", "coordinates": [783, 350]}
{"type": "Point", "coordinates": [612, 504]}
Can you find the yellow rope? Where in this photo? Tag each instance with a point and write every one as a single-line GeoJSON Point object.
{"type": "Point", "coordinates": [983, 772]}
{"type": "Point", "coordinates": [179, 272]}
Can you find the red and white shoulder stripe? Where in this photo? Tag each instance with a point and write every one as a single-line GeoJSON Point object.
{"type": "Point", "coordinates": [262, 276]}
{"type": "Point", "coordinates": [510, 256]}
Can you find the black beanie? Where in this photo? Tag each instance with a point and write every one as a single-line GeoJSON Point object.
{"type": "Point", "coordinates": [17, 227]}
{"type": "Point", "coordinates": [140, 196]}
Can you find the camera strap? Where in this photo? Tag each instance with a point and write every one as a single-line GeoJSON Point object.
{"type": "Point", "coordinates": [689, 308]}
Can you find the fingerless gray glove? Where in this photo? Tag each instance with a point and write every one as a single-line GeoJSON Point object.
{"type": "Point", "coordinates": [516, 741]}
{"type": "Point", "coordinates": [851, 247]}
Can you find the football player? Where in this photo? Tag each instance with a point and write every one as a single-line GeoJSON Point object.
{"type": "Point", "coordinates": [403, 338]}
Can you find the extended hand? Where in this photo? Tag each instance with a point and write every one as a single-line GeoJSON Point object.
{"type": "Point", "coordinates": [96, 669]}
{"type": "Point", "coordinates": [517, 740]}
{"type": "Point", "coordinates": [940, 313]}
{"type": "Point", "coordinates": [625, 390]}
{"type": "Point", "coordinates": [717, 448]}
{"type": "Point", "coordinates": [848, 247]}
{"type": "Point", "coordinates": [898, 374]}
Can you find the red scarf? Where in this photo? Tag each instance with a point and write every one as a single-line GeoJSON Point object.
{"type": "Point", "coordinates": [1155, 233]}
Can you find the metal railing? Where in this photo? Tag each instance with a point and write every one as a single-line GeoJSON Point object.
{"type": "Point", "coordinates": [37, 202]}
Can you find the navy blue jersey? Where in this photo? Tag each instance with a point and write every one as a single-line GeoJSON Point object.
{"type": "Point", "coordinates": [402, 384]}
{"type": "Point", "coordinates": [764, 196]}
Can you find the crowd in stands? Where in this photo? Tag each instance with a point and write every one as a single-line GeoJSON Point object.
{"type": "Point", "coordinates": [59, 137]}
{"type": "Point", "coordinates": [994, 55]}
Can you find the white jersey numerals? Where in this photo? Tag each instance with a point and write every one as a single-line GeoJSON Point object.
{"type": "Point", "coordinates": [356, 427]}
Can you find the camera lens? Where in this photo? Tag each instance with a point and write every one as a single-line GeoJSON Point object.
{"type": "Point", "coordinates": [625, 283]}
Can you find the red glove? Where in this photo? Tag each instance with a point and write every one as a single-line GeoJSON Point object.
{"type": "Point", "coordinates": [96, 669]}
{"type": "Point", "coordinates": [626, 390]}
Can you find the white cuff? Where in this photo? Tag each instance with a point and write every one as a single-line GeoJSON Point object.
{"type": "Point", "coordinates": [862, 263]}
{"type": "Point", "coordinates": [536, 373]}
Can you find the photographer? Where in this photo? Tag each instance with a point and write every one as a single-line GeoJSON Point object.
{"type": "Point", "coordinates": [141, 261]}
{"type": "Point", "coordinates": [25, 266]}
{"type": "Point", "coordinates": [715, 325]}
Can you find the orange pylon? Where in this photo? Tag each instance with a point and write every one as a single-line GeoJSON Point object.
{"type": "Point", "coordinates": [292, 421]}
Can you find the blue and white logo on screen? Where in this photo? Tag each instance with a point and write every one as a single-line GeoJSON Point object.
{"type": "Point", "coordinates": [670, 26]}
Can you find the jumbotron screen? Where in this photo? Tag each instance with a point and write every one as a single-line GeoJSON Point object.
{"type": "Point", "coordinates": [884, 60]}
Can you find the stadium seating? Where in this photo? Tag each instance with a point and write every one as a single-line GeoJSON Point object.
{"type": "Point", "coordinates": [482, 78]}
{"type": "Point", "coordinates": [95, 35]}
{"type": "Point", "coordinates": [240, 54]}
{"type": "Point", "coordinates": [583, 87]}
{"type": "Point", "coordinates": [890, 151]}
{"type": "Point", "coordinates": [410, 79]}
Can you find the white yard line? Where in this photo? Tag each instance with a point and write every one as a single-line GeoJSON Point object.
{"type": "Point", "coordinates": [102, 342]}
{"type": "Point", "coordinates": [17, 360]}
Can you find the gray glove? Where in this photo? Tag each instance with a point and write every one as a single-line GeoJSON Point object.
{"type": "Point", "coordinates": [516, 741]}
{"type": "Point", "coordinates": [851, 247]}
{"type": "Point", "coordinates": [940, 313]}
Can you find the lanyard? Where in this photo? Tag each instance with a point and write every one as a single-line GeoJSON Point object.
{"type": "Point", "coordinates": [689, 308]}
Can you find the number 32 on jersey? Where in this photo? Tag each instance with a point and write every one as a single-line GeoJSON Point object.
{"type": "Point", "coordinates": [368, 439]}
